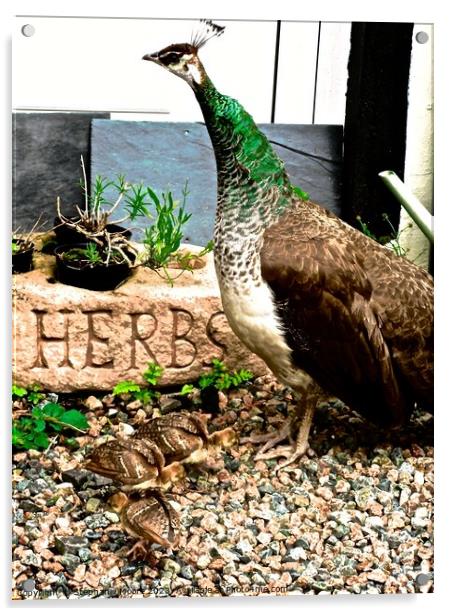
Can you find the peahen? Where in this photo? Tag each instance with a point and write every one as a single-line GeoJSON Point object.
{"type": "Point", "coordinates": [331, 312]}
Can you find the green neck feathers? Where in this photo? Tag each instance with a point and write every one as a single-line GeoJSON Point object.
{"type": "Point", "coordinates": [247, 166]}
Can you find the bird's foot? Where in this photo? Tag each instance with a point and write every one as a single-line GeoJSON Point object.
{"type": "Point", "coordinates": [139, 551]}
{"type": "Point", "coordinates": [270, 439]}
{"type": "Point", "coordinates": [291, 453]}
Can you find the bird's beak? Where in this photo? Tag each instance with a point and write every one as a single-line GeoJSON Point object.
{"type": "Point", "coordinates": [153, 57]}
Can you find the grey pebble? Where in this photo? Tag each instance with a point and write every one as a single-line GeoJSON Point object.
{"type": "Point", "coordinates": [266, 488]}
{"type": "Point", "coordinates": [70, 544]}
{"type": "Point", "coordinates": [97, 520]}
{"type": "Point", "coordinates": [29, 505]}
{"type": "Point", "coordinates": [92, 504]}
{"type": "Point", "coordinates": [297, 554]}
{"type": "Point", "coordinates": [30, 558]}
{"type": "Point", "coordinates": [169, 404]}
{"type": "Point", "coordinates": [186, 572]}
{"type": "Point", "coordinates": [92, 535]}
{"type": "Point", "coordinates": [341, 531]}
{"type": "Point", "coordinates": [85, 555]}
{"type": "Point", "coordinates": [77, 477]}
{"type": "Point", "coordinates": [70, 562]}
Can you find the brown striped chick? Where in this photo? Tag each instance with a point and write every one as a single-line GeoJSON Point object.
{"type": "Point", "coordinates": [183, 437]}
{"type": "Point", "coordinates": [134, 464]}
{"type": "Point", "coordinates": [149, 520]}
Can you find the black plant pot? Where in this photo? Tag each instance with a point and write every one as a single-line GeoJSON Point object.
{"type": "Point", "coordinates": [23, 260]}
{"type": "Point", "coordinates": [96, 277]}
{"type": "Point", "coordinates": [67, 235]}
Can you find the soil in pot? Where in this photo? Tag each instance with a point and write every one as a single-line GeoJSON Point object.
{"type": "Point", "coordinates": [22, 256]}
{"type": "Point", "coordinates": [78, 266]}
{"type": "Point", "coordinates": [68, 235]}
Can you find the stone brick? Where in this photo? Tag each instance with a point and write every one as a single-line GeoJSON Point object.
{"type": "Point", "coordinates": [67, 339]}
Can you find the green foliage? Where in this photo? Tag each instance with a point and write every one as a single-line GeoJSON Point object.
{"type": "Point", "coordinates": [221, 378]}
{"type": "Point", "coordinates": [15, 247]}
{"type": "Point", "coordinates": [163, 237]}
{"type": "Point", "coordinates": [98, 208]}
{"type": "Point", "coordinates": [30, 432]}
{"type": "Point", "coordinates": [136, 203]}
{"type": "Point", "coordinates": [186, 389]}
{"type": "Point", "coordinates": [91, 253]}
{"type": "Point", "coordinates": [365, 229]}
{"type": "Point", "coordinates": [18, 392]}
{"type": "Point", "coordinates": [97, 201]}
{"type": "Point", "coordinates": [34, 395]}
{"type": "Point", "coordinates": [184, 260]}
{"type": "Point", "coordinates": [152, 375]}
{"type": "Point", "coordinates": [126, 387]}
{"type": "Point", "coordinates": [392, 239]}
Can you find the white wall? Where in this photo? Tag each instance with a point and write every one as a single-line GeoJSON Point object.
{"type": "Point", "coordinates": [94, 64]}
{"type": "Point", "coordinates": [419, 147]}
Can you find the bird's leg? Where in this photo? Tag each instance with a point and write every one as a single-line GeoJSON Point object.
{"type": "Point", "coordinates": [270, 439]}
{"type": "Point", "coordinates": [292, 453]}
{"type": "Point", "coordinates": [139, 551]}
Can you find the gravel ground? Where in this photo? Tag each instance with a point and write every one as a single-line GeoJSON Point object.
{"type": "Point", "coordinates": [356, 517]}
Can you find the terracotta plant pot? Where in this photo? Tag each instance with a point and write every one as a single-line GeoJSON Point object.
{"type": "Point", "coordinates": [79, 272]}
{"type": "Point", "coordinates": [67, 235]}
{"type": "Point", "coordinates": [22, 260]}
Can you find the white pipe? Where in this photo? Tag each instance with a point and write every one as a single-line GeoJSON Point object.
{"type": "Point", "coordinates": [420, 215]}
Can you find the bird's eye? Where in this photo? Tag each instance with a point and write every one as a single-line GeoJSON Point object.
{"type": "Point", "coordinates": [171, 57]}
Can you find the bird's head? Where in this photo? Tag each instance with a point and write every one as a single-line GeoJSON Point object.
{"type": "Point", "coordinates": [182, 58]}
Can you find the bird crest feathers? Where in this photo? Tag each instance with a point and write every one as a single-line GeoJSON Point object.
{"type": "Point", "coordinates": [206, 30]}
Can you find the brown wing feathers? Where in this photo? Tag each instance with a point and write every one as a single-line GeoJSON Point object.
{"type": "Point", "coordinates": [348, 309]}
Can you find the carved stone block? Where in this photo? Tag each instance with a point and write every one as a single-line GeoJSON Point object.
{"type": "Point", "coordinates": [68, 339]}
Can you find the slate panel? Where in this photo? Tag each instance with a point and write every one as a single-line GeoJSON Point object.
{"type": "Point", "coordinates": [46, 163]}
{"type": "Point", "coordinates": [164, 154]}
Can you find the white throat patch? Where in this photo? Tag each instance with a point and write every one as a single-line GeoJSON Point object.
{"type": "Point", "coordinates": [194, 72]}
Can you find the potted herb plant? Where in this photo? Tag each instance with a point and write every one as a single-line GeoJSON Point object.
{"type": "Point", "coordinates": [22, 248]}
{"type": "Point", "coordinates": [22, 255]}
{"type": "Point", "coordinates": [96, 253]}
{"type": "Point", "coordinates": [92, 267]}
{"type": "Point", "coordinates": [94, 219]}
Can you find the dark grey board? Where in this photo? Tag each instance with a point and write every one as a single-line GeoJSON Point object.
{"type": "Point", "coordinates": [164, 155]}
{"type": "Point", "coordinates": [46, 163]}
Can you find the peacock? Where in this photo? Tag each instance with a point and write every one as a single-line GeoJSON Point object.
{"type": "Point", "coordinates": [331, 312]}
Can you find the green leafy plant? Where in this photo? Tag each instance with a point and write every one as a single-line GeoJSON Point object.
{"type": "Point", "coordinates": [185, 260]}
{"type": "Point", "coordinates": [33, 395]}
{"type": "Point", "coordinates": [93, 218]}
{"type": "Point", "coordinates": [163, 237]}
{"type": "Point", "coordinates": [126, 387]}
{"type": "Point", "coordinates": [15, 248]}
{"type": "Point", "coordinates": [30, 431]}
{"type": "Point", "coordinates": [392, 239]}
{"type": "Point", "coordinates": [221, 378]}
{"type": "Point", "coordinates": [186, 389]}
{"type": "Point", "coordinates": [92, 256]}
{"type": "Point", "coordinates": [18, 392]}
{"type": "Point", "coordinates": [91, 252]}
{"type": "Point", "coordinates": [151, 375]}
